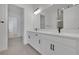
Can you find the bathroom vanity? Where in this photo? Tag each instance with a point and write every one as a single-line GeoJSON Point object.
{"type": "Point", "coordinates": [49, 43]}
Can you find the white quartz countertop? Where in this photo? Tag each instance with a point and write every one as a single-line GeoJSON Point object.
{"type": "Point", "coordinates": [54, 32]}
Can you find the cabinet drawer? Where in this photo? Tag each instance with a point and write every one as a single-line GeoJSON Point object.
{"type": "Point", "coordinates": [63, 40]}
{"type": "Point", "coordinates": [47, 47]}
{"type": "Point", "coordinates": [61, 49]}
{"type": "Point", "coordinates": [67, 41]}
{"type": "Point", "coordinates": [48, 37]}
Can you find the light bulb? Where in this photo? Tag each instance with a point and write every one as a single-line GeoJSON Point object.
{"type": "Point", "coordinates": [37, 11]}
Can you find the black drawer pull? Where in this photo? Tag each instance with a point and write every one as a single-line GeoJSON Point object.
{"type": "Point", "coordinates": [39, 41]}
{"type": "Point", "coordinates": [29, 36]}
{"type": "Point", "coordinates": [53, 47]}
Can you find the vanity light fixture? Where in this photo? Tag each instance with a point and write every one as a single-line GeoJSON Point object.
{"type": "Point", "coordinates": [37, 11]}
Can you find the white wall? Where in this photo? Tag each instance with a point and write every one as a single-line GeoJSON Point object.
{"type": "Point", "coordinates": [50, 19]}
{"type": "Point", "coordinates": [71, 18]}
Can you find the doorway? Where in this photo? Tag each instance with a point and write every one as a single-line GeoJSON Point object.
{"type": "Point", "coordinates": [16, 21]}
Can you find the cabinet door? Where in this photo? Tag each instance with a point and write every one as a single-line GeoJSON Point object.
{"type": "Point", "coordinates": [34, 40]}
{"type": "Point", "coordinates": [38, 44]}
{"type": "Point", "coordinates": [31, 37]}
{"type": "Point", "coordinates": [47, 47]}
{"type": "Point", "coordinates": [61, 49]}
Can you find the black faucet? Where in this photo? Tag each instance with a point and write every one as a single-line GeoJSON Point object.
{"type": "Point", "coordinates": [59, 29]}
{"type": "Point", "coordinates": [36, 29]}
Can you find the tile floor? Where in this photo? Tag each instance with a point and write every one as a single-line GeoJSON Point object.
{"type": "Point", "coordinates": [16, 47]}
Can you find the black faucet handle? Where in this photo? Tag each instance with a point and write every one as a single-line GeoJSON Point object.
{"type": "Point", "coordinates": [36, 29]}
{"type": "Point", "coordinates": [59, 30]}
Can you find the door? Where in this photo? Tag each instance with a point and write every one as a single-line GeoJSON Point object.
{"type": "Point", "coordinates": [16, 21]}
{"type": "Point", "coordinates": [12, 27]}
{"type": "Point", "coordinates": [3, 27]}
{"type": "Point", "coordinates": [61, 49]}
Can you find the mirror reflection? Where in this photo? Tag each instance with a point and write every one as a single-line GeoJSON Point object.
{"type": "Point", "coordinates": [52, 17]}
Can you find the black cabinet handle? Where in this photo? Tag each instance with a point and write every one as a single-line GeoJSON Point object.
{"type": "Point", "coordinates": [39, 41]}
{"type": "Point", "coordinates": [29, 36]}
{"type": "Point", "coordinates": [53, 47]}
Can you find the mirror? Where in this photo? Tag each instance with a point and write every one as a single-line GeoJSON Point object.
{"type": "Point", "coordinates": [50, 21]}
{"type": "Point", "coordinates": [71, 20]}
{"type": "Point", "coordinates": [42, 21]}
{"type": "Point", "coordinates": [52, 17]}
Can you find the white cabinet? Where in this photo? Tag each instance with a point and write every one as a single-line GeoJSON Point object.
{"type": "Point", "coordinates": [71, 18]}
{"type": "Point", "coordinates": [65, 46]}
{"type": "Point", "coordinates": [52, 44]}
{"type": "Point", "coordinates": [37, 42]}
{"type": "Point", "coordinates": [47, 47]}
{"type": "Point", "coordinates": [31, 37]}
{"type": "Point", "coordinates": [34, 40]}
{"type": "Point", "coordinates": [51, 47]}
{"type": "Point", "coordinates": [61, 49]}
{"type": "Point", "coordinates": [47, 44]}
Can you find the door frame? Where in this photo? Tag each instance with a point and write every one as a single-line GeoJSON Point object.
{"type": "Point", "coordinates": [8, 20]}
